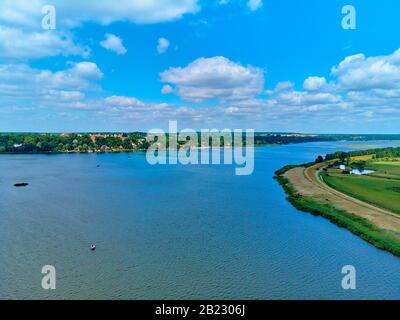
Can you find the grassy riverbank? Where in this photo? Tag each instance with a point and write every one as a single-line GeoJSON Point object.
{"type": "Point", "coordinates": [380, 238]}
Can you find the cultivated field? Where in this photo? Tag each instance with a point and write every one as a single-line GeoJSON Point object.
{"type": "Point", "coordinates": [385, 169]}
{"type": "Point", "coordinates": [381, 188]}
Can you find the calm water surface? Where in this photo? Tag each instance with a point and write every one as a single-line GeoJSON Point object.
{"type": "Point", "coordinates": [193, 232]}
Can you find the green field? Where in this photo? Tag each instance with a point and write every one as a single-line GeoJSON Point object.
{"type": "Point", "coordinates": [381, 188]}
{"type": "Point", "coordinates": [386, 169]}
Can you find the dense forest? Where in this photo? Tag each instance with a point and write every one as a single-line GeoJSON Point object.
{"type": "Point", "coordinates": [108, 142]}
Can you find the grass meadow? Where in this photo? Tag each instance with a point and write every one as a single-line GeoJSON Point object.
{"type": "Point", "coordinates": [382, 188]}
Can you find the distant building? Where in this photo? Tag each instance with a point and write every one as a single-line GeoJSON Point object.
{"type": "Point", "coordinates": [359, 172]}
{"type": "Point", "coordinates": [93, 137]}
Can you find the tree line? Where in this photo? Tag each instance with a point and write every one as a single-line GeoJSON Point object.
{"type": "Point", "coordinates": [56, 143]}
{"type": "Point", "coordinates": [379, 153]}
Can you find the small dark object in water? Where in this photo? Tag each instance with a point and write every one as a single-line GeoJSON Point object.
{"type": "Point", "coordinates": [92, 247]}
{"type": "Point", "coordinates": [98, 166]}
{"type": "Point", "coordinates": [22, 184]}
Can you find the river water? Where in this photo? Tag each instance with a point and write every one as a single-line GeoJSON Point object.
{"type": "Point", "coordinates": [175, 232]}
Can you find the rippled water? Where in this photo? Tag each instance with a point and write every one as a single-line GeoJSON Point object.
{"type": "Point", "coordinates": [194, 232]}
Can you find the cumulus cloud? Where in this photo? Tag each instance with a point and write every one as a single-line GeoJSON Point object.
{"type": "Point", "coordinates": [303, 98]}
{"type": "Point", "coordinates": [113, 43]}
{"type": "Point", "coordinates": [163, 45]}
{"type": "Point", "coordinates": [254, 4]}
{"type": "Point", "coordinates": [18, 44]}
{"type": "Point", "coordinates": [105, 12]}
{"type": "Point", "coordinates": [123, 102]}
{"type": "Point", "coordinates": [359, 72]}
{"type": "Point", "coordinates": [125, 108]}
{"type": "Point", "coordinates": [362, 90]}
{"type": "Point", "coordinates": [281, 86]}
{"type": "Point", "coordinates": [80, 76]}
{"type": "Point", "coordinates": [215, 78]}
{"type": "Point", "coordinates": [314, 83]}
{"type": "Point", "coordinates": [237, 89]}
{"type": "Point", "coordinates": [22, 37]}
{"type": "Point", "coordinates": [67, 95]}
{"type": "Point", "coordinates": [19, 12]}
{"type": "Point", "coordinates": [370, 82]}
{"type": "Point", "coordinates": [21, 84]}
{"type": "Point", "coordinates": [167, 89]}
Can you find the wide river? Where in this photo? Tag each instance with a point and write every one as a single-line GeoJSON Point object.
{"type": "Point", "coordinates": [172, 232]}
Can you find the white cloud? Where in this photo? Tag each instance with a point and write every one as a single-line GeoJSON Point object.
{"type": "Point", "coordinates": [80, 76]}
{"type": "Point", "coordinates": [23, 85]}
{"type": "Point", "coordinates": [314, 83]}
{"type": "Point", "coordinates": [22, 36]}
{"type": "Point", "coordinates": [358, 72]}
{"type": "Point", "coordinates": [363, 89]}
{"type": "Point", "coordinates": [105, 12]}
{"type": "Point", "coordinates": [162, 45]}
{"type": "Point", "coordinates": [129, 104]}
{"type": "Point", "coordinates": [113, 43]}
{"type": "Point", "coordinates": [215, 78]}
{"type": "Point", "coordinates": [84, 71]}
{"type": "Point", "coordinates": [370, 82]}
{"type": "Point", "coordinates": [18, 12]}
{"type": "Point", "coordinates": [303, 98]}
{"type": "Point", "coordinates": [281, 86]}
{"type": "Point", "coordinates": [237, 89]}
{"type": "Point", "coordinates": [67, 95]}
{"type": "Point", "coordinates": [21, 45]}
{"type": "Point", "coordinates": [254, 4]}
{"type": "Point", "coordinates": [167, 89]}
{"type": "Point", "coordinates": [123, 102]}
{"type": "Point", "coordinates": [124, 108]}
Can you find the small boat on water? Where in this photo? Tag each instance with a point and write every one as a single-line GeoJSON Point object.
{"type": "Point", "coordinates": [21, 184]}
{"type": "Point", "coordinates": [93, 247]}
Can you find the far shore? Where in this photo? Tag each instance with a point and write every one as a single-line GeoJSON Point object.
{"type": "Point", "coordinates": [133, 150]}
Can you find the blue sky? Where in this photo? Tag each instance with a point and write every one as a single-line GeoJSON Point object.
{"type": "Point", "coordinates": [271, 65]}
